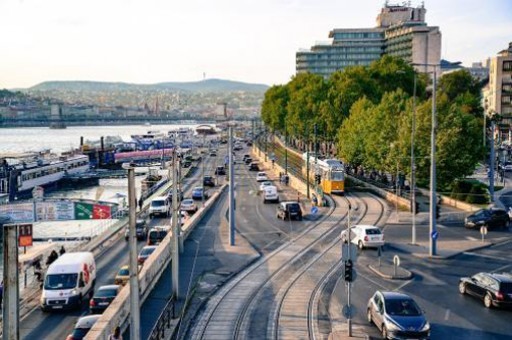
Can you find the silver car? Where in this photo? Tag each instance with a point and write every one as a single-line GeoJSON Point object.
{"type": "Point", "coordinates": [397, 316]}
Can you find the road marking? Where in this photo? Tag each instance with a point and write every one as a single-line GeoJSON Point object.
{"type": "Point", "coordinates": [500, 269]}
{"type": "Point", "coordinates": [471, 238]}
{"type": "Point", "coordinates": [447, 314]}
{"type": "Point", "coordinates": [402, 285]}
{"type": "Point", "coordinates": [484, 256]}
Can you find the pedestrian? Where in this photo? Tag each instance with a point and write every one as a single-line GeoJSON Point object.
{"type": "Point", "coordinates": [38, 271]}
{"type": "Point", "coordinates": [52, 257]}
{"type": "Point", "coordinates": [62, 250]}
{"type": "Point", "coordinates": [1, 293]}
{"type": "Point", "coordinates": [116, 335]}
{"type": "Point", "coordinates": [141, 202]}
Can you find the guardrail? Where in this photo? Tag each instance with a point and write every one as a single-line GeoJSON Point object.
{"type": "Point", "coordinates": [118, 312]}
{"type": "Point", "coordinates": [164, 320]}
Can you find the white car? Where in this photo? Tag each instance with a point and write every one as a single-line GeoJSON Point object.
{"type": "Point", "coordinates": [182, 218]}
{"type": "Point", "coordinates": [188, 205]}
{"type": "Point", "coordinates": [270, 194]}
{"type": "Point", "coordinates": [261, 177]}
{"type": "Point", "coordinates": [265, 184]}
{"type": "Point", "coordinates": [364, 236]}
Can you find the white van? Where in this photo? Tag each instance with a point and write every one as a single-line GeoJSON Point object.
{"type": "Point", "coordinates": [68, 281]}
{"type": "Point", "coordinates": [270, 194]}
{"type": "Point", "coordinates": [159, 206]}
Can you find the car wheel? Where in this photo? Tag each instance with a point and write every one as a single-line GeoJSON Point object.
{"type": "Point", "coordinates": [488, 300]}
{"type": "Point", "coordinates": [369, 315]}
{"type": "Point", "coordinates": [384, 332]}
{"type": "Point", "coordinates": [360, 245]}
{"type": "Point", "coordinates": [462, 288]}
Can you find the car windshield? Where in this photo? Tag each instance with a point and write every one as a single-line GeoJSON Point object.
{"type": "Point", "coordinates": [402, 307]}
{"type": "Point", "coordinates": [159, 203]}
{"type": "Point", "coordinates": [60, 281]}
{"type": "Point", "coordinates": [157, 235]}
{"type": "Point", "coordinates": [106, 292]}
{"type": "Point", "coordinates": [79, 333]}
{"type": "Point", "coordinates": [293, 207]}
{"type": "Point", "coordinates": [147, 251]}
{"type": "Point", "coordinates": [373, 231]}
{"type": "Point", "coordinates": [187, 202]}
{"type": "Point", "coordinates": [124, 272]}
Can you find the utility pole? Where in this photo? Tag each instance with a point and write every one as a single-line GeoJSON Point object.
{"type": "Point", "coordinates": [266, 144]}
{"type": "Point", "coordinates": [285, 149]}
{"type": "Point", "coordinates": [349, 259]}
{"type": "Point", "coordinates": [413, 164]}
{"type": "Point", "coordinates": [134, 273]}
{"type": "Point", "coordinates": [11, 314]}
{"type": "Point", "coordinates": [175, 230]}
{"type": "Point", "coordinates": [307, 163]}
{"type": "Point", "coordinates": [231, 189]}
{"type": "Point", "coordinates": [433, 195]}
{"type": "Point", "coordinates": [204, 165]}
{"type": "Point", "coordinates": [492, 160]}
{"type": "Point", "coordinates": [316, 157]}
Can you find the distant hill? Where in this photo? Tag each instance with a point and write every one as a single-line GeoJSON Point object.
{"type": "Point", "coordinates": [208, 85]}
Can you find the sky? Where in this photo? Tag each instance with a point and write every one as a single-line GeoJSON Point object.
{"type": "Point", "coordinates": [151, 41]}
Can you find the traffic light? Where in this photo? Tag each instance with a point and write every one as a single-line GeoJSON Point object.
{"type": "Point", "coordinates": [438, 211]}
{"type": "Point", "coordinates": [348, 270]}
{"type": "Point", "coordinates": [318, 178]}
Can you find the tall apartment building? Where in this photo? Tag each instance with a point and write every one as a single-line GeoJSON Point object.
{"type": "Point", "coordinates": [498, 93]}
{"type": "Point", "coordinates": [401, 31]}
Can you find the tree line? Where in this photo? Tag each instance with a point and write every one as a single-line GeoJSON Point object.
{"type": "Point", "coordinates": [367, 112]}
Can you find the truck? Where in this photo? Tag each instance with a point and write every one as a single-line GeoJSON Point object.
{"type": "Point", "coordinates": [68, 281]}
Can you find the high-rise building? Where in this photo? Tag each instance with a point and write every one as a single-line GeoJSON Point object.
{"type": "Point", "coordinates": [401, 31]}
{"type": "Point", "coordinates": [498, 93]}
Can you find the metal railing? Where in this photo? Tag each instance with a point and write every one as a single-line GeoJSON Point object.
{"type": "Point", "coordinates": [163, 322]}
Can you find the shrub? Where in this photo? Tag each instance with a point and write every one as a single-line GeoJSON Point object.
{"type": "Point", "coordinates": [478, 194]}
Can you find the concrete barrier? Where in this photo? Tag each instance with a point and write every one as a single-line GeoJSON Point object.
{"type": "Point", "coordinates": [119, 310]}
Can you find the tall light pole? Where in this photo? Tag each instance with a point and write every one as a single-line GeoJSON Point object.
{"type": "Point", "coordinates": [413, 165]}
{"type": "Point", "coordinates": [134, 279]}
{"type": "Point", "coordinates": [433, 180]}
{"type": "Point", "coordinates": [285, 149]}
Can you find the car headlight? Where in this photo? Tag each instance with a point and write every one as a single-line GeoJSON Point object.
{"type": "Point", "coordinates": [392, 326]}
{"type": "Point", "coordinates": [426, 327]}
{"type": "Point", "coordinates": [74, 292]}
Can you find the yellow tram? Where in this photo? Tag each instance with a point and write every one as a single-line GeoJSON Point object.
{"type": "Point", "coordinates": [331, 172]}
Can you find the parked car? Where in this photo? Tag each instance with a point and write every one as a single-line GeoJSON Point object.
{"type": "Point", "coordinates": [397, 316]}
{"type": "Point", "coordinates": [145, 253]}
{"type": "Point", "coordinates": [159, 206]}
{"type": "Point", "coordinates": [364, 236]}
{"type": "Point", "coordinates": [103, 297]}
{"type": "Point", "coordinates": [82, 327]}
{"type": "Point", "coordinates": [220, 171]}
{"type": "Point", "coordinates": [254, 166]}
{"type": "Point", "coordinates": [289, 210]}
{"type": "Point", "coordinates": [261, 177]}
{"type": "Point", "coordinates": [494, 289]}
{"type": "Point", "coordinates": [491, 218]}
{"type": "Point", "coordinates": [208, 181]}
{"type": "Point", "coordinates": [141, 230]}
{"type": "Point", "coordinates": [188, 205]}
{"type": "Point", "coordinates": [156, 235]}
{"type": "Point", "coordinates": [198, 193]}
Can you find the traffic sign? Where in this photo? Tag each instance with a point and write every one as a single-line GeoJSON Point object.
{"type": "Point", "coordinates": [25, 235]}
{"type": "Point", "coordinates": [483, 230]}
{"type": "Point", "coordinates": [434, 235]}
{"type": "Point", "coordinates": [396, 260]}
{"type": "Point", "coordinates": [314, 210]}
{"type": "Point", "coordinates": [348, 311]}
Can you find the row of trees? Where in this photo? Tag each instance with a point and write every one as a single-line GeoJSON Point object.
{"type": "Point", "coordinates": [368, 111]}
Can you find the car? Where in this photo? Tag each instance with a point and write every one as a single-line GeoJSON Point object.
{"type": "Point", "coordinates": [220, 171]}
{"type": "Point", "coordinates": [261, 177]}
{"type": "Point", "coordinates": [198, 193]}
{"type": "Point", "coordinates": [237, 147]}
{"type": "Point", "coordinates": [248, 160]}
{"type": "Point", "coordinates": [249, 143]}
{"type": "Point", "coordinates": [507, 166]}
{"type": "Point", "coordinates": [265, 184]}
{"type": "Point", "coordinates": [245, 157]}
{"type": "Point", "coordinates": [186, 164]}
{"type": "Point", "coordinates": [491, 218]}
{"type": "Point", "coordinates": [141, 230]}
{"type": "Point", "coordinates": [365, 236]}
{"type": "Point", "coordinates": [289, 210]}
{"type": "Point", "coordinates": [184, 216]}
{"type": "Point", "coordinates": [188, 205]}
{"type": "Point", "coordinates": [213, 154]}
{"type": "Point", "coordinates": [82, 327]}
{"type": "Point", "coordinates": [208, 181]}
{"type": "Point", "coordinates": [103, 297]}
{"type": "Point", "coordinates": [254, 166]}
{"type": "Point", "coordinates": [156, 235]}
{"type": "Point", "coordinates": [145, 253]}
{"type": "Point", "coordinates": [494, 289]}
{"type": "Point", "coordinates": [160, 206]}
{"type": "Point", "coordinates": [270, 194]}
{"type": "Point", "coordinates": [122, 276]}
{"type": "Point", "coordinates": [397, 316]}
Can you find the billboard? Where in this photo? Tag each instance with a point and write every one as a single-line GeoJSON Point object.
{"type": "Point", "coordinates": [55, 211]}
{"type": "Point", "coordinates": [88, 211]}
{"type": "Point", "coordinates": [21, 212]}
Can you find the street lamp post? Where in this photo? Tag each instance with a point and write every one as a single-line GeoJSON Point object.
{"type": "Point", "coordinates": [285, 149]}
{"type": "Point", "coordinates": [433, 194]}
{"type": "Point", "coordinates": [413, 165]}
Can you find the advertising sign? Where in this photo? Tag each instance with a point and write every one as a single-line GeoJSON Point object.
{"type": "Point", "coordinates": [55, 211]}
{"type": "Point", "coordinates": [25, 235]}
{"type": "Point", "coordinates": [83, 211]}
{"type": "Point", "coordinates": [21, 212]}
{"type": "Point", "coordinates": [100, 212]}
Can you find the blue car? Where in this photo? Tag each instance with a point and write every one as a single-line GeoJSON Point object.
{"type": "Point", "coordinates": [397, 316]}
{"type": "Point", "coordinates": [197, 193]}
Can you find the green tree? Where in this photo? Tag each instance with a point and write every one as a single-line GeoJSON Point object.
{"type": "Point", "coordinates": [273, 108]}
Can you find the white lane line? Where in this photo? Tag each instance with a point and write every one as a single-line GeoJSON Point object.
{"type": "Point", "coordinates": [484, 256]}
{"type": "Point", "coordinates": [500, 269]}
{"type": "Point", "coordinates": [471, 238]}
{"type": "Point", "coordinates": [447, 314]}
{"type": "Point", "coordinates": [402, 285]}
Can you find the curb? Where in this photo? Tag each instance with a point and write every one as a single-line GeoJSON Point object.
{"type": "Point", "coordinates": [406, 276]}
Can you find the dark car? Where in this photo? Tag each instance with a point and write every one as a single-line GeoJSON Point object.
{"type": "Point", "coordinates": [247, 160]}
{"type": "Point", "coordinates": [494, 289]}
{"type": "Point", "coordinates": [208, 181]}
{"type": "Point", "coordinates": [491, 218]}
{"type": "Point", "coordinates": [254, 167]}
{"type": "Point", "coordinates": [245, 157]}
{"type": "Point", "coordinates": [397, 316]}
{"type": "Point", "coordinates": [141, 230]}
{"type": "Point", "coordinates": [186, 164]}
{"type": "Point", "coordinates": [220, 171]}
{"type": "Point", "coordinates": [145, 253]}
{"type": "Point", "coordinates": [103, 297]}
{"type": "Point", "coordinates": [289, 210]}
{"type": "Point", "coordinates": [82, 327]}
{"type": "Point", "coordinates": [156, 235]}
